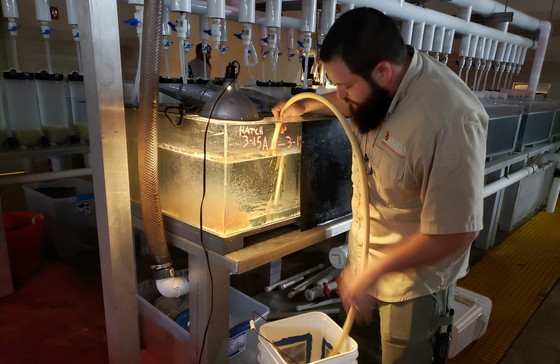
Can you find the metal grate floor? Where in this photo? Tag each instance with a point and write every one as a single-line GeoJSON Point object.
{"type": "Point", "coordinates": [516, 275]}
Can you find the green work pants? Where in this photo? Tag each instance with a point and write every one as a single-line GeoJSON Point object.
{"type": "Point", "coordinates": [408, 328]}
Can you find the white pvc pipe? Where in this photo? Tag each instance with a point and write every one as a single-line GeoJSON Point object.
{"type": "Point", "coordinates": [10, 9]}
{"type": "Point", "coordinates": [489, 7]}
{"type": "Point", "coordinates": [43, 10]}
{"type": "Point", "coordinates": [273, 16]}
{"type": "Point", "coordinates": [180, 6]}
{"type": "Point", "coordinates": [308, 16]}
{"type": "Point", "coordinates": [407, 30]}
{"type": "Point", "coordinates": [71, 12]}
{"type": "Point", "coordinates": [538, 60]}
{"type": "Point", "coordinates": [246, 10]}
{"type": "Point", "coordinates": [409, 11]}
{"type": "Point", "coordinates": [328, 12]}
{"type": "Point", "coordinates": [510, 179]}
{"type": "Point", "coordinates": [216, 9]}
{"type": "Point", "coordinates": [418, 35]}
{"type": "Point", "coordinates": [346, 7]}
{"type": "Point", "coordinates": [429, 34]}
{"type": "Point", "coordinates": [198, 7]}
{"type": "Point", "coordinates": [448, 40]}
{"type": "Point", "coordinates": [438, 39]}
{"type": "Point", "coordinates": [173, 287]}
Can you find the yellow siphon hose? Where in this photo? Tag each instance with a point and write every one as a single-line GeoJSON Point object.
{"type": "Point", "coordinates": [364, 196]}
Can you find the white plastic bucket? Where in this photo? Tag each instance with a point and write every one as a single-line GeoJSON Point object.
{"type": "Point", "coordinates": [307, 338]}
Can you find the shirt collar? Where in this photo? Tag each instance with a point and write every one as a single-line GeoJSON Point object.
{"type": "Point", "coordinates": [412, 73]}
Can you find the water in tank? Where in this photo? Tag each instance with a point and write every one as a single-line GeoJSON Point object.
{"type": "Point", "coordinates": [251, 180]}
{"type": "Point", "coordinates": [22, 107]}
{"type": "Point", "coordinates": [78, 104]}
{"type": "Point", "coordinates": [53, 106]}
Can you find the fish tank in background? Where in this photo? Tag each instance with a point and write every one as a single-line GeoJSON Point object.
{"type": "Point", "coordinates": [22, 107]}
{"type": "Point", "coordinates": [503, 127]}
{"type": "Point", "coordinates": [536, 122]}
{"type": "Point", "coordinates": [251, 181]}
{"type": "Point", "coordinates": [53, 106]}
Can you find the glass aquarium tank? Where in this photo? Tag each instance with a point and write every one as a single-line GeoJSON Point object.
{"type": "Point", "coordinates": [250, 171]}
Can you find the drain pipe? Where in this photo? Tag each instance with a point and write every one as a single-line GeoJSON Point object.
{"type": "Point", "coordinates": [538, 60]}
{"type": "Point", "coordinates": [163, 272]}
{"type": "Point", "coordinates": [555, 188]}
{"type": "Point", "coordinates": [510, 179]}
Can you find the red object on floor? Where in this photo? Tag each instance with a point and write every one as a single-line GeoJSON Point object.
{"type": "Point", "coordinates": [25, 236]}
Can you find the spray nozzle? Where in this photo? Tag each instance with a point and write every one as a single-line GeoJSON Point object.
{"type": "Point", "coordinates": [264, 40]}
{"type": "Point", "coordinates": [300, 43]}
{"type": "Point", "coordinates": [47, 31]}
{"type": "Point", "coordinates": [132, 21]}
{"type": "Point", "coordinates": [207, 48]}
{"type": "Point", "coordinates": [208, 31]}
{"type": "Point", "coordinates": [167, 44]}
{"type": "Point", "coordinates": [172, 26]}
{"type": "Point", "coordinates": [14, 28]}
{"type": "Point", "coordinates": [237, 35]}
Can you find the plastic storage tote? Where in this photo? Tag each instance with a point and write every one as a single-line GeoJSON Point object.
{"type": "Point", "coordinates": [472, 313]}
{"type": "Point", "coordinates": [69, 209]}
{"type": "Point", "coordinates": [306, 338]}
{"type": "Point", "coordinates": [167, 338]}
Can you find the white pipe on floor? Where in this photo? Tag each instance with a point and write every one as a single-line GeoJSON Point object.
{"type": "Point", "coordinates": [510, 179]}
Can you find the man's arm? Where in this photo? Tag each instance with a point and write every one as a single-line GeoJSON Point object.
{"type": "Point", "coordinates": [417, 251]}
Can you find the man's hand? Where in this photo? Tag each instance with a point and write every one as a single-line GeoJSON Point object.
{"type": "Point", "coordinates": [296, 109]}
{"type": "Point", "coordinates": [353, 290]}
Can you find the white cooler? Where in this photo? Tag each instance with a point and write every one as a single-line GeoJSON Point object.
{"type": "Point", "coordinates": [472, 313]}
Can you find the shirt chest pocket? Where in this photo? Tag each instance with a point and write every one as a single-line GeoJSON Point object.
{"type": "Point", "coordinates": [386, 167]}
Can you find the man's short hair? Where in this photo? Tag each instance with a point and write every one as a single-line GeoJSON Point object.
{"type": "Point", "coordinates": [198, 47]}
{"type": "Point", "coordinates": [362, 38]}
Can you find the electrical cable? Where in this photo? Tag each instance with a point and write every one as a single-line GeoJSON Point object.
{"type": "Point", "coordinates": [201, 229]}
{"type": "Point", "coordinates": [364, 197]}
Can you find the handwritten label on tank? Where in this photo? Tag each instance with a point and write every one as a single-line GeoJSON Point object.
{"type": "Point", "coordinates": [259, 137]}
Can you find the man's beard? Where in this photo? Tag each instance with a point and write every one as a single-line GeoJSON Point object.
{"type": "Point", "coordinates": [369, 114]}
